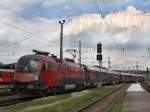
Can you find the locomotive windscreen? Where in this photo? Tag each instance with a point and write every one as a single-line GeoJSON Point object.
{"type": "Point", "coordinates": [27, 64]}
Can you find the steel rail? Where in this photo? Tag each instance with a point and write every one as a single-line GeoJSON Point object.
{"type": "Point", "coordinates": [123, 87]}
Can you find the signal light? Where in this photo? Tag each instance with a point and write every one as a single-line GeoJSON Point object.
{"type": "Point", "coordinates": [99, 48]}
{"type": "Point", "coordinates": [99, 57]}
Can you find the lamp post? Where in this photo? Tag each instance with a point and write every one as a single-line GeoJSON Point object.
{"type": "Point", "coordinates": [61, 39]}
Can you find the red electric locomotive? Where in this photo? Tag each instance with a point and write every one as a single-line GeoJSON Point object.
{"type": "Point", "coordinates": [47, 73]}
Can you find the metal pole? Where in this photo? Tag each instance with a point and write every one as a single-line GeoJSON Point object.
{"type": "Point", "coordinates": [137, 67]}
{"type": "Point", "coordinates": [109, 63]}
{"type": "Point", "coordinates": [100, 65]}
{"type": "Point", "coordinates": [61, 39]}
{"type": "Point", "coordinates": [79, 52]}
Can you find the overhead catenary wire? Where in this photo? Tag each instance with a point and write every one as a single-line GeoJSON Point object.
{"type": "Point", "coordinates": [24, 17]}
{"type": "Point", "coordinates": [16, 27]}
{"type": "Point", "coordinates": [117, 46]}
{"type": "Point", "coordinates": [105, 4]}
{"type": "Point", "coordinates": [27, 32]}
{"type": "Point", "coordinates": [11, 47]}
{"type": "Point", "coordinates": [115, 43]}
{"type": "Point", "coordinates": [46, 40]}
{"type": "Point", "coordinates": [6, 42]}
{"type": "Point", "coordinates": [97, 6]}
{"type": "Point", "coordinates": [18, 45]}
{"type": "Point", "coordinates": [2, 6]}
{"type": "Point", "coordinates": [35, 36]}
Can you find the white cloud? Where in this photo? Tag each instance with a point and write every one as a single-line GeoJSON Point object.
{"type": "Point", "coordinates": [120, 38]}
{"type": "Point", "coordinates": [121, 25]}
{"type": "Point", "coordinates": [127, 27]}
{"type": "Point", "coordinates": [81, 23]}
{"type": "Point", "coordinates": [129, 18]}
{"type": "Point", "coordinates": [17, 5]}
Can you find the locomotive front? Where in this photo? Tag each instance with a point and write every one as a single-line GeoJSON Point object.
{"type": "Point", "coordinates": [27, 72]}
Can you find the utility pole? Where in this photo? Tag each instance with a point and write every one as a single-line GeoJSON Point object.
{"type": "Point", "coordinates": [109, 63]}
{"type": "Point", "coordinates": [137, 67]}
{"type": "Point", "coordinates": [80, 52]}
{"type": "Point", "coordinates": [147, 73]}
{"type": "Point", "coordinates": [149, 52]}
{"type": "Point", "coordinates": [61, 39]}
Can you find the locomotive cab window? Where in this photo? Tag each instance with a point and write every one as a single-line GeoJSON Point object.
{"type": "Point", "coordinates": [27, 64]}
{"type": "Point", "coordinates": [33, 64]}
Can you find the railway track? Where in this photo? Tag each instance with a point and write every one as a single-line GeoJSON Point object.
{"type": "Point", "coordinates": [2, 95]}
{"type": "Point", "coordinates": [7, 94]}
{"type": "Point", "coordinates": [105, 103]}
{"type": "Point", "coordinates": [14, 99]}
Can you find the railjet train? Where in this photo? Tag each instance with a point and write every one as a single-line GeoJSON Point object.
{"type": "Point", "coordinates": [6, 76]}
{"type": "Point", "coordinates": [48, 74]}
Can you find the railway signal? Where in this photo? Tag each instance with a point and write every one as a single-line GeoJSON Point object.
{"type": "Point", "coordinates": [99, 57]}
{"type": "Point", "coordinates": [99, 51]}
{"type": "Point", "coordinates": [99, 54]}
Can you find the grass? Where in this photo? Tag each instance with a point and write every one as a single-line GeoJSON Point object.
{"type": "Point", "coordinates": [76, 103]}
{"type": "Point", "coordinates": [72, 104]}
{"type": "Point", "coordinates": [41, 101]}
{"type": "Point", "coordinates": [118, 107]}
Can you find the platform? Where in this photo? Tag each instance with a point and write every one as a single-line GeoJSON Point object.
{"type": "Point", "coordinates": [136, 100]}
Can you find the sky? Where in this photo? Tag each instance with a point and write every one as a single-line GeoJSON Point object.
{"type": "Point", "coordinates": [122, 26]}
